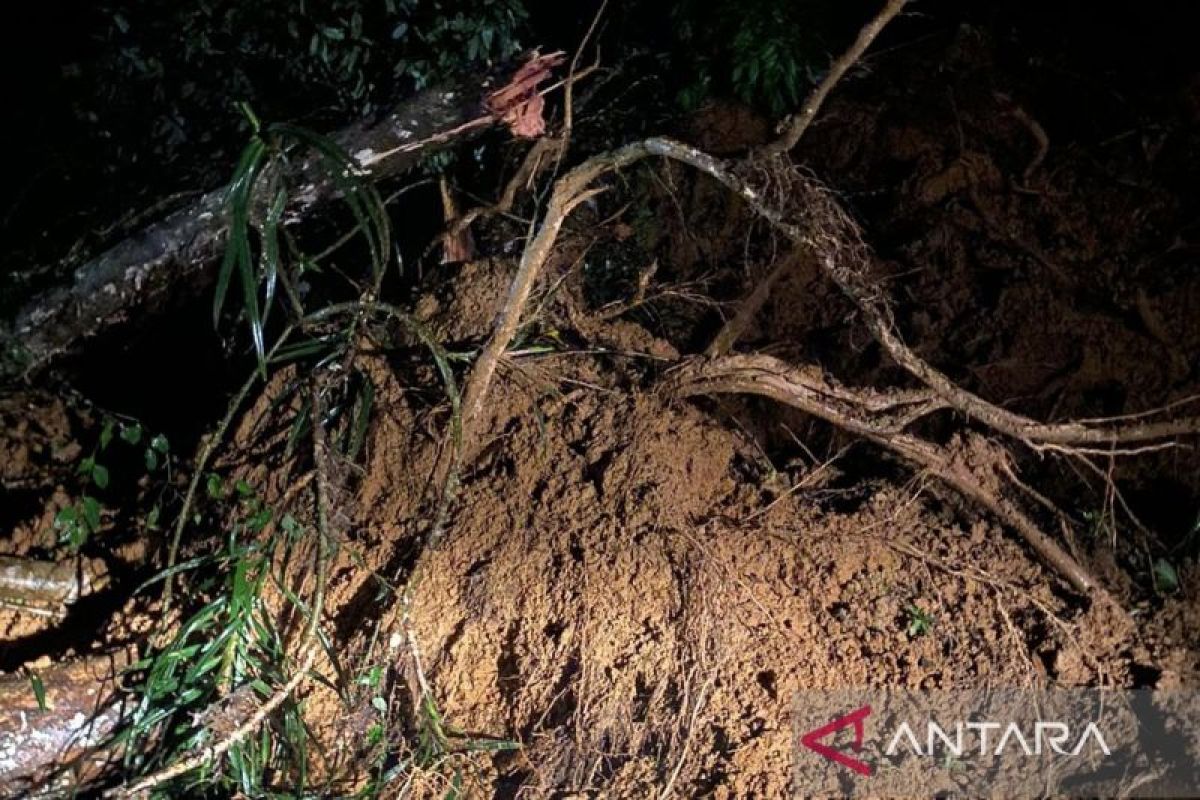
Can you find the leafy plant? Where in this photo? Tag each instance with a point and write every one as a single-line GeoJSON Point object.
{"type": "Point", "coordinates": [221, 663]}
{"type": "Point", "coordinates": [228, 657]}
{"type": "Point", "coordinates": [919, 621]}
{"type": "Point", "coordinates": [256, 200]}
{"type": "Point", "coordinates": [766, 52]}
{"type": "Point", "coordinates": [158, 91]}
{"type": "Point", "coordinates": [76, 523]}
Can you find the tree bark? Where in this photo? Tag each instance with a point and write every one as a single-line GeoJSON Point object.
{"type": "Point", "coordinates": [57, 737]}
{"type": "Point", "coordinates": [144, 271]}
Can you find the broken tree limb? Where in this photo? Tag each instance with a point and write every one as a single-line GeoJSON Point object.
{"type": "Point", "coordinates": [46, 588]}
{"type": "Point", "coordinates": [147, 269]}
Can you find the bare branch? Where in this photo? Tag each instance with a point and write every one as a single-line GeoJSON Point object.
{"type": "Point", "coordinates": [795, 126]}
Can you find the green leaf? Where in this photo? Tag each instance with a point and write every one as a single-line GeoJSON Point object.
{"type": "Point", "coordinates": [106, 434]}
{"type": "Point", "coordinates": [39, 690]}
{"type": "Point", "coordinates": [379, 704]}
{"type": "Point", "coordinates": [260, 519]}
{"type": "Point", "coordinates": [160, 444]}
{"type": "Point", "coordinates": [100, 475]}
{"type": "Point", "coordinates": [91, 513]}
{"type": "Point", "coordinates": [215, 486]}
{"type": "Point", "coordinates": [362, 198]}
{"type": "Point", "coordinates": [455, 790]}
{"type": "Point", "coordinates": [292, 528]}
{"type": "Point", "coordinates": [151, 460]}
{"type": "Point", "coordinates": [131, 433]}
{"type": "Point", "coordinates": [270, 251]}
{"type": "Point", "coordinates": [1166, 579]}
{"type": "Point", "coordinates": [371, 677]}
{"type": "Point", "coordinates": [237, 248]}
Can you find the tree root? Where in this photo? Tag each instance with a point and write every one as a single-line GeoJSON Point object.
{"type": "Point", "coordinates": [804, 211]}
{"type": "Point", "coordinates": [975, 466]}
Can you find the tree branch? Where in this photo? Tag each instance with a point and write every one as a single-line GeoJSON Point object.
{"type": "Point", "coordinates": [145, 271]}
{"type": "Point", "coordinates": [795, 126]}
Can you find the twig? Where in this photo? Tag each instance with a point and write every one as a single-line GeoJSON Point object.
{"type": "Point", "coordinates": [750, 305]}
{"type": "Point", "coordinates": [211, 443]}
{"type": "Point", "coordinates": [1035, 130]}
{"type": "Point", "coordinates": [795, 127]}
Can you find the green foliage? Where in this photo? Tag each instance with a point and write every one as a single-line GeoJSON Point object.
{"type": "Point", "coordinates": [225, 660]}
{"type": "Point", "coordinates": [1164, 576]}
{"type": "Point", "coordinates": [39, 690]}
{"type": "Point", "coordinates": [160, 86]}
{"type": "Point", "coordinates": [255, 200]}
{"type": "Point", "coordinates": [78, 522]}
{"type": "Point", "coordinates": [919, 621]}
{"type": "Point", "coordinates": [766, 52]}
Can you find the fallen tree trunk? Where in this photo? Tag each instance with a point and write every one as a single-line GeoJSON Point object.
{"type": "Point", "coordinates": [49, 745]}
{"type": "Point", "coordinates": [142, 272]}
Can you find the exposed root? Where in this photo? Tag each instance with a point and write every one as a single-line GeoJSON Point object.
{"type": "Point", "coordinates": [804, 211]}
{"type": "Point", "coordinates": [1035, 130]}
{"type": "Point", "coordinates": [813, 219]}
{"type": "Point", "coordinates": [735, 327]}
{"type": "Point", "coordinates": [971, 464]}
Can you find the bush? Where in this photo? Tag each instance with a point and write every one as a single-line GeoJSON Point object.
{"type": "Point", "coordinates": [166, 75]}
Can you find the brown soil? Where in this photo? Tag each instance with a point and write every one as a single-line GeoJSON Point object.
{"type": "Point", "coordinates": [622, 591]}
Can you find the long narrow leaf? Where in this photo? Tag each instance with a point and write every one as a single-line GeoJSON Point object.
{"type": "Point", "coordinates": [237, 196]}
{"type": "Point", "coordinates": [270, 250]}
{"type": "Point", "coordinates": [360, 196]}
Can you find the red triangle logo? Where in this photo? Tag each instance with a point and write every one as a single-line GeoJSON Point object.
{"type": "Point", "coordinates": [812, 740]}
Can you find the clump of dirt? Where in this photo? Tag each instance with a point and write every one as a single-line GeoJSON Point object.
{"type": "Point", "coordinates": [629, 586]}
{"type": "Point", "coordinates": [37, 440]}
{"type": "Point", "coordinates": [625, 590]}
{"type": "Point", "coordinates": [1038, 247]}
{"type": "Point", "coordinates": [634, 588]}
